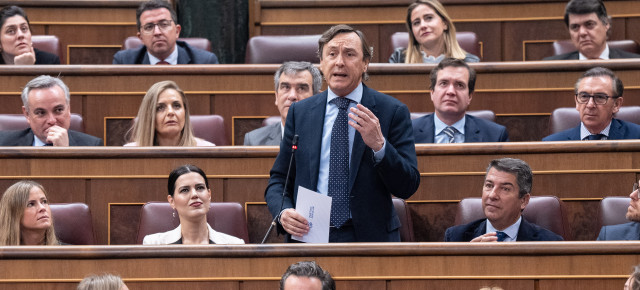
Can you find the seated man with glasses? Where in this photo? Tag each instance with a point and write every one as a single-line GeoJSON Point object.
{"type": "Point", "coordinates": [159, 30]}
{"type": "Point", "coordinates": [598, 95]}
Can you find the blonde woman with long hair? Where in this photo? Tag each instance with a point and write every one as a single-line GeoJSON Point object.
{"type": "Point", "coordinates": [432, 36]}
{"type": "Point", "coordinates": [163, 119]}
{"type": "Point", "coordinates": [25, 216]}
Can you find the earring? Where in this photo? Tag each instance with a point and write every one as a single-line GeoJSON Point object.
{"type": "Point", "coordinates": [174, 213]}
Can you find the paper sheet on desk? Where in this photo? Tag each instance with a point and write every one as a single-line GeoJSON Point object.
{"type": "Point", "coordinates": [316, 208]}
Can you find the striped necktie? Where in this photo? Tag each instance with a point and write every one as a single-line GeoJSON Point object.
{"type": "Point", "coordinates": [450, 131]}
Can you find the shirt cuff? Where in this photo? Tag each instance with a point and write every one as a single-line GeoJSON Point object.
{"type": "Point", "coordinates": [378, 156]}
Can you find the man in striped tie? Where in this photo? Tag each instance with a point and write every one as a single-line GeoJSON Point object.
{"type": "Point", "coordinates": [505, 194]}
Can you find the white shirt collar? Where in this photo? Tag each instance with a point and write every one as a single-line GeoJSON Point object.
{"type": "Point", "coordinates": [584, 132]}
{"type": "Point", "coordinates": [511, 231]}
{"type": "Point", "coordinates": [172, 59]}
{"type": "Point", "coordinates": [603, 55]}
{"type": "Point", "coordinates": [439, 125]}
{"type": "Point", "coordinates": [37, 141]}
{"type": "Point", "coordinates": [355, 95]}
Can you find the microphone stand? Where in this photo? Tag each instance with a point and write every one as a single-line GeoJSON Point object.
{"type": "Point", "coordinates": [294, 147]}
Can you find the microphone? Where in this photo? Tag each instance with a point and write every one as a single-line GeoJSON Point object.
{"type": "Point", "coordinates": [294, 147]}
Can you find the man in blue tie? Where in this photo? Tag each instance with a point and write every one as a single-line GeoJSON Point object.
{"type": "Point", "coordinates": [505, 194]}
{"type": "Point", "coordinates": [452, 85]}
{"type": "Point", "coordinates": [355, 145]}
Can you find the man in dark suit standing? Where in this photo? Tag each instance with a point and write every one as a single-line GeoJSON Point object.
{"type": "Point", "coordinates": [452, 85]}
{"type": "Point", "coordinates": [629, 231]}
{"type": "Point", "coordinates": [589, 27]}
{"type": "Point", "coordinates": [598, 95]}
{"type": "Point", "coordinates": [505, 194]}
{"type": "Point", "coordinates": [355, 145]}
{"type": "Point", "coordinates": [159, 30]}
{"type": "Point", "coordinates": [294, 81]}
{"type": "Point", "coordinates": [46, 105]}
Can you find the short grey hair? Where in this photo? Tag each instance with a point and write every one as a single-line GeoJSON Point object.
{"type": "Point", "coordinates": [43, 82]}
{"type": "Point", "coordinates": [294, 67]}
{"type": "Point", "coordinates": [517, 167]}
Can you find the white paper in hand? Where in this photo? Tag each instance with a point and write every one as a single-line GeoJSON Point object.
{"type": "Point", "coordinates": [316, 208]}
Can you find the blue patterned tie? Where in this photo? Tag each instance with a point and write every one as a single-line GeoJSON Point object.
{"type": "Point", "coordinates": [501, 236]}
{"type": "Point", "coordinates": [450, 132]}
{"type": "Point", "coordinates": [339, 165]}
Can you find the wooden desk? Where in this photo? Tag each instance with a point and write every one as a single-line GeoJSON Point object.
{"type": "Point", "coordinates": [512, 30]}
{"type": "Point", "coordinates": [115, 182]}
{"type": "Point", "coordinates": [525, 265]}
{"type": "Point", "coordinates": [523, 95]}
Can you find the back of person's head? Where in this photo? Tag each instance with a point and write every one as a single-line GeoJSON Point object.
{"type": "Point", "coordinates": [102, 282]}
{"type": "Point", "coordinates": [294, 67]}
{"type": "Point", "coordinates": [153, 5]}
{"type": "Point", "coordinates": [311, 270]}
{"type": "Point", "coordinates": [616, 83]}
{"type": "Point", "coordinates": [367, 50]}
{"type": "Point", "coordinates": [184, 169]}
{"type": "Point", "coordinates": [451, 46]}
{"type": "Point", "coordinates": [453, 62]}
{"type": "Point", "coordinates": [143, 131]}
{"type": "Point", "coordinates": [12, 205]}
{"type": "Point", "coordinates": [517, 167]}
{"type": "Point", "coordinates": [43, 82]}
{"type": "Point", "coordinates": [580, 7]}
{"type": "Point", "coordinates": [10, 11]}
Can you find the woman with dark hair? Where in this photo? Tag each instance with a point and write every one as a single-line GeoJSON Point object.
{"type": "Point", "coordinates": [432, 36]}
{"type": "Point", "coordinates": [25, 216]}
{"type": "Point", "coordinates": [15, 40]}
{"type": "Point", "coordinates": [190, 196]}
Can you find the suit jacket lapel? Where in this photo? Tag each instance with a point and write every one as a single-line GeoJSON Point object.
{"type": "Point", "coordinates": [183, 56]}
{"type": "Point", "coordinates": [427, 128]}
{"type": "Point", "coordinates": [275, 133]}
{"type": "Point", "coordinates": [359, 147]}
{"type": "Point", "coordinates": [315, 119]}
{"type": "Point", "coordinates": [27, 139]}
{"type": "Point", "coordinates": [471, 131]}
{"type": "Point", "coordinates": [574, 134]}
{"type": "Point", "coordinates": [615, 131]}
{"type": "Point", "coordinates": [478, 231]}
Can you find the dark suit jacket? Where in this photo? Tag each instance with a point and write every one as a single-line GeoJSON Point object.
{"type": "Point", "coordinates": [613, 54]}
{"type": "Point", "coordinates": [526, 232]}
{"type": "Point", "coordinates": [42, 57]}
{"type": "Point", "coordinates": [267, 135]}
{"type": "Point", "coordinates": [25, 138]}
{"type": "Point", "coordinates": [370, 184]}
{"type": "Point", "coordinates": [186, 55]}
{"type": "Point", "coordinates": [619, 130]}
{"type": "Point", "coordinates": [629, 231]}
{"type": "Point", "coordinates": [476, 130]}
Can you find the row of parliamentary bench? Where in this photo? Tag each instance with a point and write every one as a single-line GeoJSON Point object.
{"type": "Point", "coordinates": [73, 221]}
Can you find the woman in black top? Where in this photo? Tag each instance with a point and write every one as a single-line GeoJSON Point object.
{"type": "Point", "coordinates": [15, 40]}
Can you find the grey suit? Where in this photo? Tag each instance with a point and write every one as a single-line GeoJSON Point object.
{"type": "Point", "coordinates": [186, 55]}
{"type": "Point", "coordinates": [25, 138]}
{"type": "Point", "coordinates": [266, 136]}
{"type": "Point", "coordinates": [624, 232]}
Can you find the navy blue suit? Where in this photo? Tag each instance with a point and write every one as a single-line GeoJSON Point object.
{"type": "Point", "coordinates": [613, 54]}
{"type": "Point", "coordinates": [526, 232]}
{"type": "Point", "coordinates": [619, 130]}
{"type": "Point", "coordinates": [186, 55]}
{"type": "Point", "coordinates": [25, 138]}
{"type": "Point", "coordinates": [475, 130]}
{"type": "Point", "coordinates": [370, 185]}
{"type": "Point", "coordinates": [624, 232]}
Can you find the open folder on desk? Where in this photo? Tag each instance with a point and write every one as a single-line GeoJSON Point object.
{"type": "Point", "coordinates": [316, 208]}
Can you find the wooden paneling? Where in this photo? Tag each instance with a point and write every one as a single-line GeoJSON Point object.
{"type": "Point", "coordinates": [521, 94]}
{"type": "Point", "coordinates": [527, 265]}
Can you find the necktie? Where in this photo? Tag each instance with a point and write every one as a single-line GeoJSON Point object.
{"type": "Point", "coordinates": [501, 236]}
{"type": "Point", "coordinates": [339, 165]}
{"type": "Point", "coordinates": [595, 137]}
{"type": "Point", "coordinates": [162, 62]}
{"type": "Point", "coordinates": [450, 132]}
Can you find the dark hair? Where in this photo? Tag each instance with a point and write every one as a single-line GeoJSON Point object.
{"type": "Point", "coordinates": [367, 51]}
{"type": "Point", "coordinates": [10, 11]}
{"type": "Point", "coordinates": [453, 62]}
{"type": "Point", "coordinates": [517, 167]}
{"type": "Point", "coordinates": [153, 5]}
{"type": "Point", "coordinates": [586, 7]}
{"type": "Point", "coordinates": [309, 269]}
{"type": "Point", "coordinates": [184, 169]}
{"type": "Point", "coordinates": [616, 84]}
{"type": "Point", "coordinates": [294, 67]}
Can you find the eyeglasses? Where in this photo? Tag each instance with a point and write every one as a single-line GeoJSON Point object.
{"type": "Point", "coordinates": [599, 99]}
{"type": "Point", "coordinates": [164, 25]}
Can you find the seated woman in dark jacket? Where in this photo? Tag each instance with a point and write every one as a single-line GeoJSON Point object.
{"type": "Point", "coordinates": [15, 40]}
{"type": "Point", "coordinates": [25, 216]}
